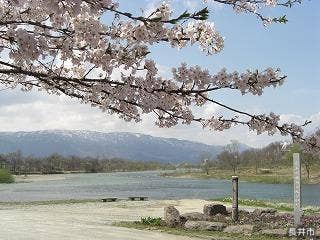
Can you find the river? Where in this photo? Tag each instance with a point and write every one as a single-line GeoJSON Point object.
{"type": "Point", "coordinates": [149, 184]}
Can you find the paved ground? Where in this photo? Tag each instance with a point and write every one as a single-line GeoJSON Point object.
{"type": "Point", "coordinates": [86, 221]}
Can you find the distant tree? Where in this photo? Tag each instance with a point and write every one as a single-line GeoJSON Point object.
{"type": "Point", "coordinates": [251, 158]}
{"type": "Point", "coordinates": [205, 162]}
{"type": "Point", "coordinates": [226, 160]}
{"type": "Point", "coordinates": [308, 159]}
{"type": "Point", "coordinates": [54, 163]}
{"type": "Point", "coordinates": [234, 155]}
{"type": "Point", "coordinates": [206, 166]}
{"type": "Point", "coordinates": [3, 161]}
{"type": "Point", "coordinates": [15, 160]}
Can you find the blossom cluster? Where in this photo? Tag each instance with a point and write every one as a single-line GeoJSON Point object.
{"type": "Point", "coordinates": [197, 31]}
{"type": "Point", "coordinates": [312, 143]}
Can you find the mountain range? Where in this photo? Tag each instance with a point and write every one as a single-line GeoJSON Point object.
{"type": "Point", "coordinates": [131, 146]}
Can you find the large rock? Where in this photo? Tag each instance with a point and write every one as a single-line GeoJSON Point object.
{"type": "Point", "coordinates": [275, 232]}
{"type": "Point", "coordinates": [259, 212]}
{"type": "Point", "coordinates": [204, 226]}
{"type": "Point", "coordinates": [213, 209]}
{"type": "Point", "coordinates": [172, 216]}
{"type": "Point", "coordinates": [221, 218]}
{"type": "Point", "coordinates": [240, 229]}
{"type": "Point", "coordinates": [195, 216]}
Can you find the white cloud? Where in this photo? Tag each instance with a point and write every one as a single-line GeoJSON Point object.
{"type": "Point", "coordinates": [191, 4]}
{"type": "Point", "coordinates": [38, 111]}
{"type": "Point", "coordinates": [210, 109]}
{"type": "Point", "coordinates": [150, 7]}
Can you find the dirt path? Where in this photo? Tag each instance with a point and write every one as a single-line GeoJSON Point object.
{"type": "Point", "coordinates": [86, 221]}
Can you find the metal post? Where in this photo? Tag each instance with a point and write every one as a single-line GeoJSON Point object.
{"type": "Point", "coordinates": [297, 188]}
{"type": "Point", "coordinates": [235, 195]}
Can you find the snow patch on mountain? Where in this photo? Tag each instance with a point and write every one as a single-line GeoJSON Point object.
{"type": "Point", "coordinates": [131, 146]}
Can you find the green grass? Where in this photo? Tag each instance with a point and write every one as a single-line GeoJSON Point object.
{"type": "Point", "coordinates": [151, 221]}
{"type": "Point", "coordinates": [283, 207]}
{"type": "Point", "coordinates": [195, 233]}
{"type": "Point", "coordinates": [272, 176]}
{"type": "Point", "coordinates": [6, 176]}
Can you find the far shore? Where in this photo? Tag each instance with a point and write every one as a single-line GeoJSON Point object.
{"type": "Point", "coordinates": [275, 176]}
{"type": "Point", "coordinates": [272, 176]}
{"type": "Point", "coordinates": [39, 177]}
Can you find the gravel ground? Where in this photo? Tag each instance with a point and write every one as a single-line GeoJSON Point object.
{"type": "Point", "coordinates": [39, 177]}
{"type": "Point", "coordinates": [86, 221]}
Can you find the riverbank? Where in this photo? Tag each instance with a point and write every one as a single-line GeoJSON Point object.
{"type": "Point", "coordinates": [270, 176]}
{"type": "Point", "coordinates": [39, 177]}
{"type": "Point", "coordinates": [87, 220]}
{"type": "Point", "coordinates": [54, 220]}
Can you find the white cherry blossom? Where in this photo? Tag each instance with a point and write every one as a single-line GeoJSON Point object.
{"type": "Point", "coordinates": [63, 47]}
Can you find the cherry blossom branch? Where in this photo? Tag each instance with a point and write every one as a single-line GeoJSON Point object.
{"type": "Point", "coordinates": [66, 49]}
{"type": "Point", "coordinates": [252, 6]}
{"type": "Point", "coordinates": [271, 122]}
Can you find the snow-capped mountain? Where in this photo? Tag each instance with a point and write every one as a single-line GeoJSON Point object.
{"type": "Point", "coordinates": [130, 146]}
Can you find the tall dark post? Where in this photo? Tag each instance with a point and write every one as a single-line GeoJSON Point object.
{"type": "Point", "coordinates": [235, 195]}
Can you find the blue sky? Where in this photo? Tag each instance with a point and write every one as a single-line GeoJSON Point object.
{"type": "Point", "coordinates": [293, 47]}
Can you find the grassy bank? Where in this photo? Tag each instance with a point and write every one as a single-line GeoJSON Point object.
{"type": "Point", "coordinates": [194, 233]}
{"type": "Point", "coordinates": [272, 176]}
{"type": "Point", "coordinates": [282, 207]}
{"type": "Point", "coordinates": [6, 176]}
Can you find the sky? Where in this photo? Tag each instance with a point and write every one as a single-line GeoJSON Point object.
{"type": "Point", "coordinates": [293, 47]}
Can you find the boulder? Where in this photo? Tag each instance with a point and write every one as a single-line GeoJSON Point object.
{"type": "Point", "coordinates": [172, 216]}
{"type": "Point", "coordinates": [213, 209]}
{"type": "Point", "coordinates": [204, 226]}
{"type": "Point", "coordinates": [280, 215]}
{"type": "Point", "coordinates": [229, 210]}
{"type": "Point", "coordinates": [195, 216]}
{"type": "Point", "coordinates": [220, 218]}
{"type": "Point", "coordinates": [275, 232]}
{"type": "Point", "coordinates": [259, 212]}
{"type": "Point", "coordinates": [240, 229]}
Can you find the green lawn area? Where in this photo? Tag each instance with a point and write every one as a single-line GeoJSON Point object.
{"type": "Point", "coordinates": [276, 175]}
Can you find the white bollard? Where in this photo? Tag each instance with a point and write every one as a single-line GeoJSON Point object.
{"type": "Point", "coordinates": [297, 189]}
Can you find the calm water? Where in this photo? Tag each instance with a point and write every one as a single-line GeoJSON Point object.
{"type": "Point", "coordinates": [150, 184]}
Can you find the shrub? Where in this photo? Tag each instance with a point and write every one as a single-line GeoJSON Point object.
{"type": "Point", "coordinates": [6, 176]}
{"type": "Point", "coordinates": [265, 171]}
{"type": "Point", "coordinates": [151, 221]}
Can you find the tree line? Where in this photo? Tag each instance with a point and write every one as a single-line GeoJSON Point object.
{"type": "Point", "coordinates": [18, 164]}
{"type": "Point", "coordinates": [260, 160]}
